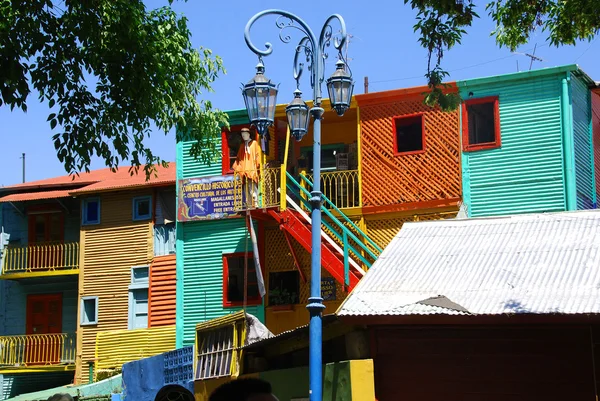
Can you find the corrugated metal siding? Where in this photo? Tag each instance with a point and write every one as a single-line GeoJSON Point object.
{"type": "Point", "coordinates": [596, 129]}
{"type": "Point", "coordinates": [583, 146]}
{"type": "Point", "coordinates": [13, 385]}
{"type": "Point", "coordinates": [526, 173]}
{"type": "Point", "coordinates": [114, 348]}
{"type": "Point", "coordinates": [204, 244]}
{"type": "Point", "coordinates": [161, 297]}
{"type": "Point", "coordinates": [191, 167]}
{"type": "Point", "coordinates": [543, 263]}
{"type": "Point", "coordinates": [109, 251]}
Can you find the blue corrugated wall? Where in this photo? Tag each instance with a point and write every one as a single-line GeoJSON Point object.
{"type": "Point", "coordinates": [582, 138]}
{"type": "Point", "coordinates": [527, 173]}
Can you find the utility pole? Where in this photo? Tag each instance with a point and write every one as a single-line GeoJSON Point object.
{"type": "Point", "coordinates": [23, 157]}
{"type": "Point", "coordinates": [366, 84]}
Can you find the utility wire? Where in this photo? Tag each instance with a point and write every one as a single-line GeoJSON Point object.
{"type": "Point", "coordinates": [588, 48]}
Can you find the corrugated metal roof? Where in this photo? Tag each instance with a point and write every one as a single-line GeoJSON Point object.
{"type": "Point", "coordinates": [523, 264]}
{"type": "Point", "coordinates": [27, 196]}
{"type": "Point", "coordinates": [326, 320]}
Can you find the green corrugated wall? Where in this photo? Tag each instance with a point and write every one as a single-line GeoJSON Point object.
{"type": "Point", "coordinates": [200, 248]}
{"type": "Point", "coordinates": [527, 173]}
{"type": "Point", "coordinates": [582, 135]}
{"type": "Point", "coordinates": [204, 244]}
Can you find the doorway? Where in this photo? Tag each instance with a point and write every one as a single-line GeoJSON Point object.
{"type": "Point", "coordinates": [44, 316]}
{"type": "Point", "coordinates": [46, 230]}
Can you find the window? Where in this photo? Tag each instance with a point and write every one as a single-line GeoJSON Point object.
{"type": "Point", "coordinates": [219, 350]}
{"type": "Point", "coordinates": [89, 311]}
{"type": "Point", "coordinates": [231, 144]}
{"type": "Point", "coordinates": [284, 288]}
{"type": "Point", "coordinates": [142, 208]}
{"type": "Point", "coordinates": [91, 211]}
{"type": "Point", "coordinates": [409, 134]}
{"type": "Point", "coordinates": [233, 280]}
{"type": "Point", "coordinates": [328, 160]}
{"type": "Point", "coordinates": [138, 297]}
{"type": "Point", "coordinates": [481, 124]}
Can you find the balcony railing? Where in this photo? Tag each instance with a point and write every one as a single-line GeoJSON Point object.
{"type": "Point", "coordinates": [38, 258]}
{"type": "Point", "coordinates": [263, 194]}
{"type": "Point", "coordinates": [37, 350]}
{"type": "Point", "coordinates": [341, 187]}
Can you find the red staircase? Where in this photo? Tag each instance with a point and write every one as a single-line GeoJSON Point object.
{"type": "Point", "coordinates": [331, 259]}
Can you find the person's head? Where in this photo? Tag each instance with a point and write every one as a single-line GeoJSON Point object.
{"type": "Point", "coordinates": [244, 390]}
{"type": "Point", "coordinates": [245, 134]}
{"type": "Point", "coordinates": [61, 397]}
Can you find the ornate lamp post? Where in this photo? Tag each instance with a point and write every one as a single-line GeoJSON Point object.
{"type": "Point", "coordinates": [261, 113]}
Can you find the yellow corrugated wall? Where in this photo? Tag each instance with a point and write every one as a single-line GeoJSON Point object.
{"type": "Point", "coordinates": [114, 348]}
{"type": "Point", "coordinates": [108, 252]}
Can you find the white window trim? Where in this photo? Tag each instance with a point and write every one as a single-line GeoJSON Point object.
{"type": "Point", "coordinates": [83, 299]}
{"type": "Point", "coordinates": [84, 220]}
{"type": "Point", "coordinates": [134, 213]}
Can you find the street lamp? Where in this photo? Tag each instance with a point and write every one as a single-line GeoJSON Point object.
{"type": "Point", "coordinates": [260, 96]}
{"type": "Point", "coordinates": [339, 86]}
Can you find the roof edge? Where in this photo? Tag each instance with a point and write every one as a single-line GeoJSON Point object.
{"type": "Point", "coordinates": [372, 98]}
{"type": "Point", "coordinates": [516, 76]}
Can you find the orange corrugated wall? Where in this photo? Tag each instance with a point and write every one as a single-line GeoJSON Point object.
{"type": "Point", "coordinates": [596, 125]}
{"type": "Point", "coordinates": [430, 176]}
{"type": "Point", "coordinates": [161, 296]}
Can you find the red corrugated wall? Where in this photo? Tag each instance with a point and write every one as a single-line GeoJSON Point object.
{"type": "Point", "coordinates": [161, 296]}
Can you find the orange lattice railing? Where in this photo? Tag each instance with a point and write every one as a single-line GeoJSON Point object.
{"type": "Point", "coordinates": [37, 258]}
{"type": "Point", "coordinates": [37, 349]}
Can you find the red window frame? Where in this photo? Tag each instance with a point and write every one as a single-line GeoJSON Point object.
{"type": "Point", "coordinates": [225, 158]}
{"type": "Point", "coordinates": [413, 116]}
{"type": "Point", "coordinates": [465, 124]}
{"type": "Point", "coordinates": [251, 300]}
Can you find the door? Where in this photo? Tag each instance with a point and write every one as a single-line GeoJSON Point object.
{"type": "Point", "coordinates": [44, 316]}
{"type": "Point", "coordinates": [46, 230]}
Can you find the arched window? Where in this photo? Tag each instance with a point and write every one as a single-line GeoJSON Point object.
{"type": "Point", "coordinates": [174, 393]}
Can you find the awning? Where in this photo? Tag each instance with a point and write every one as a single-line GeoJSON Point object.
{"type": "Point", "coordinates": [28, 196]}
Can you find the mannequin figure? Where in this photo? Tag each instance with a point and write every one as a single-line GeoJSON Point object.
{"type": "Point", "coordinates": [247, 165]}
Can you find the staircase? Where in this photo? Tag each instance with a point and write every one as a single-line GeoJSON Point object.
{"type": "Point", "coordinates": [346, 251]}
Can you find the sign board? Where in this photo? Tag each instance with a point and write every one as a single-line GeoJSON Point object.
{"type": "Point", "coordinates": [328, 289]}
{"type": "Point", "coordinates": [205, 198]}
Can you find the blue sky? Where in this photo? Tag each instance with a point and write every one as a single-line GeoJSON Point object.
{"type": "Point", "coordinates": [383, 47]}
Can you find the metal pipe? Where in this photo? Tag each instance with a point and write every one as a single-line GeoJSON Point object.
{"type": "Point", "coordinates": [568, 146]}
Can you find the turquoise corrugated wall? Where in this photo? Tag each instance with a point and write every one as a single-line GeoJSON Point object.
{"type": "Point", "coordinates": [204, 244]}
{"type": "Point", "coordinates": [526, 174]}
{"type": "Point", "coordinates": [191, 168]}
{"type": "Point", "coordinates": [582, 138]}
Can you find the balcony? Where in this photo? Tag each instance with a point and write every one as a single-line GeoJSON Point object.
{"type": "Point", "coordinates": [47, 259]}
{"type": "Point", "coordinates": [37, 352]}
{"type": "Point", "coordinates": [340, 187]}
{"type": "Point", "coordinates": [263, 195]}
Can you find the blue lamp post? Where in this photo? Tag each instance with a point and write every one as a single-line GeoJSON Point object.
{"type": "Point", "coordinates": [340, 87]}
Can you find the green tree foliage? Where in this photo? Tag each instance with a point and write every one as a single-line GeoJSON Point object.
{"type": "Point", "coordinates": [443, 23]}
{"type": "Point", "coordinates": [109, 70]}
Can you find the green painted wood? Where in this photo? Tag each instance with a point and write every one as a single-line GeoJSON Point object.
{"type": "Point", "coordinates": [583, 147]}
{"type": "Point", "coordinates": [527, 173]}
{"type": "Point", "coordinates": [204, 244]}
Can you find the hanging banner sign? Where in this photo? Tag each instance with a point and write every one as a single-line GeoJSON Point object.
{"type": "Point", "coordinates": [206, 198]}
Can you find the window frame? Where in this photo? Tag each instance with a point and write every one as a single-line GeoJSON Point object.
{"type": "Point", "coordinates": [250, 301]}
{"type": "Point", "coordinates": [307, 152]}
{"type": "Point", "coordinates": [225, 158]}
{"type": "Point", "coordinates": [135, 216]}
{"type": "Point", "coordinates": [81, 306]}
{"type": "Point", "coordinates": [136, 285]}
{"type": "Point", "coordinates": [395, 134]}
{"type": "Point", "coordinates": [467, 147]}
{"type": "Point", "coordinates": [84, 208]}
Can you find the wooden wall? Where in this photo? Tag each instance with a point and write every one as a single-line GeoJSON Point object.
{"type": "Point", "coordinates": [108, 252]}
{"type": "Point", "coordinates": [484, 363]}
{"type": "Point", "coordinates": [429, 176]}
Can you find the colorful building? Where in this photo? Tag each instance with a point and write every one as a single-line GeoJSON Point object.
{"type": "Point", "coordinates": [527, 142]}
{"type": "Point", "coordinates": [85, 262]}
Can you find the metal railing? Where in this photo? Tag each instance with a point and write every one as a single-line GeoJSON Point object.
{"type": "Point", "coordinates": [40, 258]}
{"type": "Point", "coordinates": [38, 349]}
{"type": "Point", "coordinates": [341, 187]}
{"type": "Point", "coordinates": [249, 194]}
